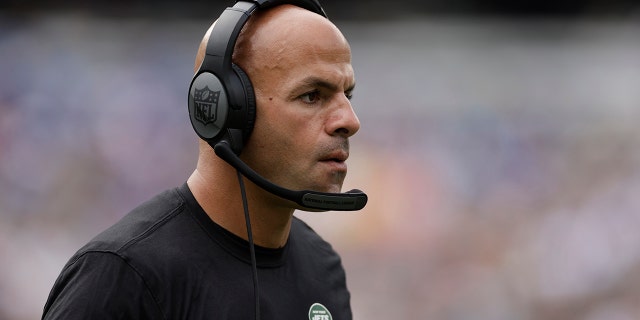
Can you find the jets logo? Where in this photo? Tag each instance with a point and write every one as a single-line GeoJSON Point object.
{"type": "Point", "coordinates": [319, 312]}
{"type": "Point", "coordinates": [206, 105]}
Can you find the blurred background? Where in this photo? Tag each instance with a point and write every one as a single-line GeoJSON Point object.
{"type": "Point", "coordinates": [500, 148]}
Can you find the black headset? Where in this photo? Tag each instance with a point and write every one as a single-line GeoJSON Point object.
{"type": "Point", "coordinates": [222, 105]}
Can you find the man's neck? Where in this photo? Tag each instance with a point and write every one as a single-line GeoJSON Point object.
{"type": "Point", "coordinates": [217, 190]}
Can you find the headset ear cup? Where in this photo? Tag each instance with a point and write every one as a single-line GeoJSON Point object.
{"type": "Point", "coordinates": [250, 99]}
{"type": "Point", "coordinates": [208, 122]}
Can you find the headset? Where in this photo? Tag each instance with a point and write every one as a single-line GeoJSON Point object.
{"type": "Point", "coordinates": [222, 106]}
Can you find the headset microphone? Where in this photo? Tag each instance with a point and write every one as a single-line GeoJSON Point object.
{"type": "Point", "coordinates": [323, 201]}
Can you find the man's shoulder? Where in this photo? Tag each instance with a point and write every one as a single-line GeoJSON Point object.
{"type": "Point", "coordinates": [140, 223]}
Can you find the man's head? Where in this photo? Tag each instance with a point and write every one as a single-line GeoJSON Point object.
{"type": "Point", "coordinates": [300, 67]}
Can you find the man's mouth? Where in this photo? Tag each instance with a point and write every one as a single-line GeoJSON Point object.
{"type": "Point", "coordinates": [336, 156]}
{"type": "Point", "coordinates": [337, 160]}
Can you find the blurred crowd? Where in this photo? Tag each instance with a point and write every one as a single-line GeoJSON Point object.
{"type": "Point", "coordinates": [501, 158]}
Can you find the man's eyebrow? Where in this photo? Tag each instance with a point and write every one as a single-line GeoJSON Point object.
{"type": "Point", "coordinates": [317, 82]}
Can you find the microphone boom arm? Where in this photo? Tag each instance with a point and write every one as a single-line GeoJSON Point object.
{"type": "Point", "coordinates": [349, 201]}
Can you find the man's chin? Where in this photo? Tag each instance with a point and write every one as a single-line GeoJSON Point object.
{"type": "Point", "coordinates": [333, 188]}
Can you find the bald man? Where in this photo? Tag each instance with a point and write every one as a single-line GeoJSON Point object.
{"type": "Point", "coordinates": [184, 254]}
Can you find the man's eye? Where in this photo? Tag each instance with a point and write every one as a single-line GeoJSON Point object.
{"type": "Point", "coordinates": [310, 97]}
{"type": "Point", "coordinates": [349, 95]}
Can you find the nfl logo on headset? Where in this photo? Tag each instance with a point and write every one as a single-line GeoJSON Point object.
{"type": "Point", "coordinates": [206, 105]}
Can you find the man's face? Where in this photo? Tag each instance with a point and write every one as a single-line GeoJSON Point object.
{"type": "Point", "coordinates": [303, 81]}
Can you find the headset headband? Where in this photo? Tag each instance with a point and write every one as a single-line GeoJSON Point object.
{"type": "Point", "coordinates": [225, 33]}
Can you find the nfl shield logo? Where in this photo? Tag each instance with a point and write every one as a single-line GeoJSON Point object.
{"type": "Point", "coordinates": [206, 105]}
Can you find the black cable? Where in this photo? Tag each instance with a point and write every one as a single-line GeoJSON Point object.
{"type": "Point", "coordinates": [252, 249]}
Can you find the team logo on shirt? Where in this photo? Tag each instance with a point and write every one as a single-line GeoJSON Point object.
{"type": "Point", "coordinates": [319, 312]}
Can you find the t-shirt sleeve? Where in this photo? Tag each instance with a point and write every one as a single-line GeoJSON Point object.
{"type": "Point", "coordinates": [100, 285]}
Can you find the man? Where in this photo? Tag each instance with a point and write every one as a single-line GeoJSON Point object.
{"type": "Point", "coordinates": [185, 254]}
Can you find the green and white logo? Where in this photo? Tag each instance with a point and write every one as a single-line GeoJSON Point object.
{"type": "Point", "coordinates": [319, 312]}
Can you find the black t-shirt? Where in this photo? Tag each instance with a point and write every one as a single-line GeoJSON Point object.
{"type": "Point", "coordinates": [168, 260]}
